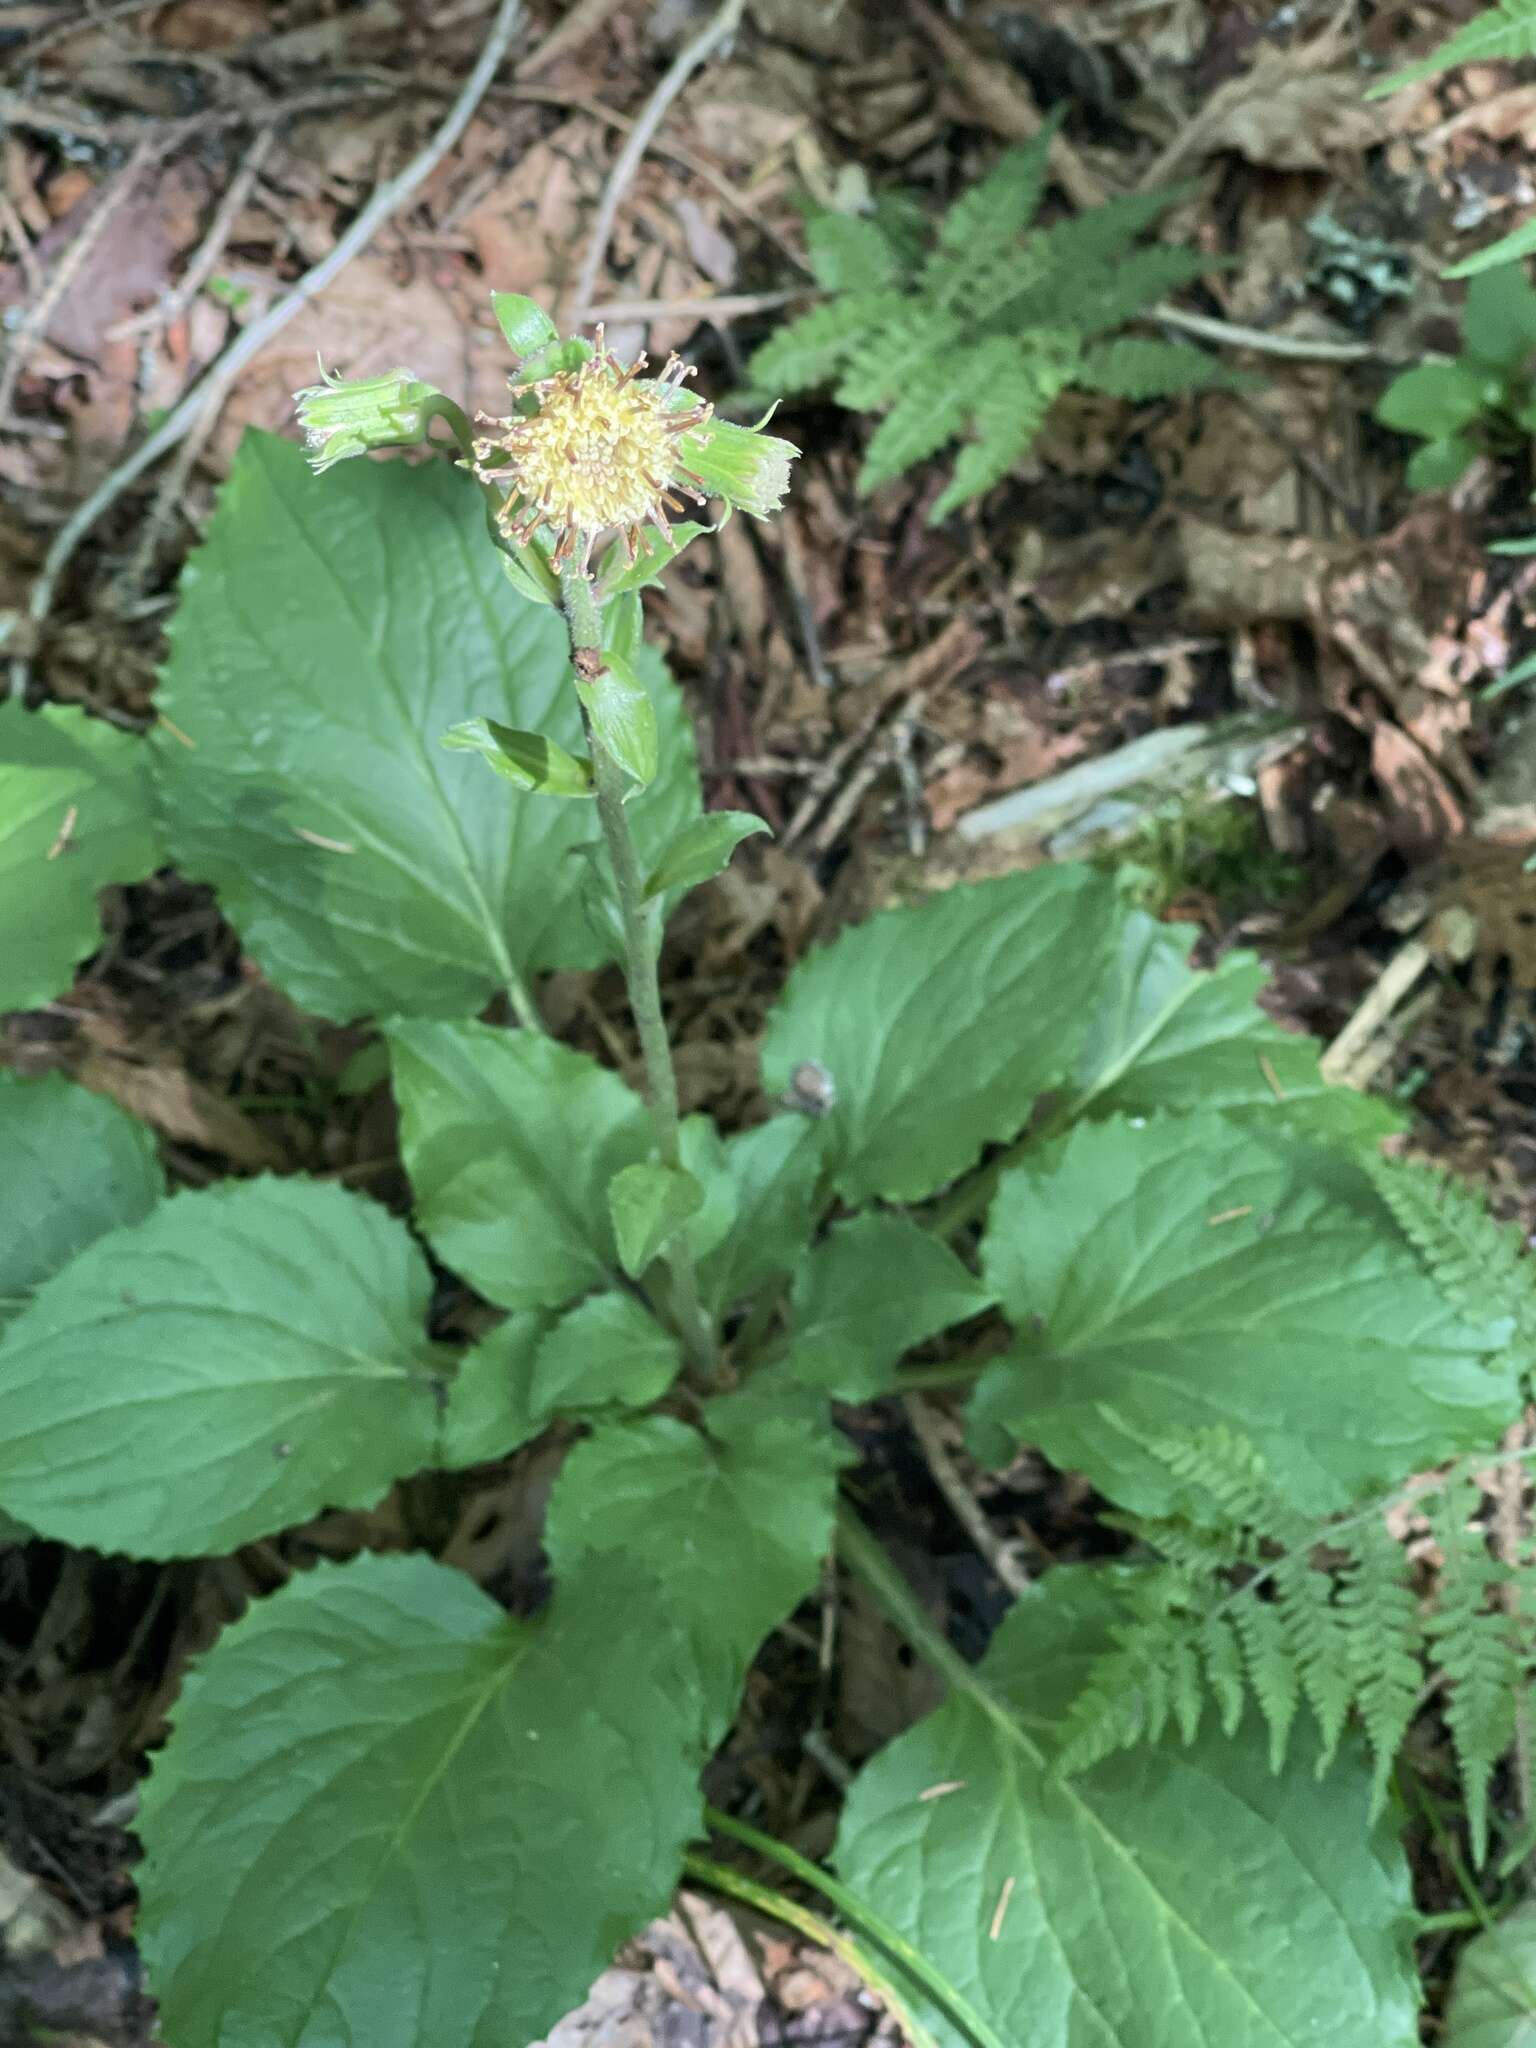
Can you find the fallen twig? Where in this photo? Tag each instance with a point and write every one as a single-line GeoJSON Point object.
{"type": "Point", "coordinates": [386, 201]}
{"type": "Point", "coordinates": [677, 75]}
{"type": "Point", "coordinates": [1001, 1556]}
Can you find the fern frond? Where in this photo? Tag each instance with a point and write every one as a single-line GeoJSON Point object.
{"type": "Point", "coordinates": [1272, 1670]}
{"type": "Point", "coordinates": [815, 347]}
{"type": "Point", "coordinates": [1502, 34]}
{"type": "Point", "coordinates": [1150, 1674]}
{"type": "Point", "coordinates": [851, 253]}
{"type": "Point", "coordinates": [1132, 368]}
{"type": "Point", "coordinates": [1316, 1637]}
{"type": "Point", "coordinates": [1477, 1263]}
{"type": "Point", "coordinates": [988, 220]}
{"type": "Point", "coordinates": [906, 353]}
{"type": "Point", "coordinates": [923, 418]}
{"type": "Point", "coordinates": [1475, 1648]}
{"type": "Point", "coordinates": [1226, 1669]}
{"type": "Point", "coordinates": [1010, 410]}
{"type": "Point", "coordinates": [1381, 1620]}
{"type": "Point", "coordinates": [1136, 280]}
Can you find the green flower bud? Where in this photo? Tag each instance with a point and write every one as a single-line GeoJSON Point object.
{"type": "Point", "coordinates": [748, 469]}
{"type": "Point", "coordinates": [348, 418]}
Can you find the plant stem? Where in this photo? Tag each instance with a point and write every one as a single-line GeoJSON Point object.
{"type": "Point", "coordinates": [721, 1878]}
{"type": "Point", "coordinates": [641, 952]}
{"type": "Point", "coordinates": [950, 2001]}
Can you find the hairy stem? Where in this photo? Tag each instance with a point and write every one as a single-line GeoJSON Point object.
{"type": "Point", "coordinates": [721, 1878]}
{"type": "Point", "coordinates": [641, 951]}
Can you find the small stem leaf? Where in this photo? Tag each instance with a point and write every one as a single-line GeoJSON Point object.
{"type": "Point", "coordinates": [1020, 1881]}
{"type": "Point", "coordinates": [526, 567]}
{"type": "Point", "coordinates": [530, 759]}
{"type": "Point", "coordinates": [649, 1204]}
{"type": "Point", "coordinates": [510, 1141]}
{"type": "Point", "coordinates": [268, 1360]}
{"type": "Point", "coordinates": [76, 1166]}
{"type": "Point", "coordinates": [608, 1352]}
{"type": "Point", "coordinates": [617, 574]}
{"type": "Point", "coordinates": [526, 327]}
{"type": "Point", "coordinates": [703, 850]}
{"type": "Point", "coordinates": [75, 814]}
{"type": "Point", "coordinates": [622, 717]}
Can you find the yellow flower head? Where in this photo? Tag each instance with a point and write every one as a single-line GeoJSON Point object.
{"type": "Point", "coordinates": [601, 453]}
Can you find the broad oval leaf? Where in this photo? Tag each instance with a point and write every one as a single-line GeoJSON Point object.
{"type": "Point", "coordinates": [510, 1141]}
{"type": "Point", "coordinates": [75, 814]}
{"type": "Point", "coordinates": [1188, 1272]}
{"type": "Point", "coordinates": [621, 715]}
{"type": "Point", "coordinates": [329, 632]}
{"type": "Point", "coordinates": [940, 1025]}
{"type": "Point", "coordinates": [76, 1166]}
{"type": "Point", "coordinates": [768, 1180]}
{"type": "Point", "coordinates": [388, 1813]}
{"type": "Point", "coordinates": [1164, 1035]}
{"type": "Point", "coordinates": [1493, 1998]}
{"type": "Point", "coordinates": [1171, 1896]}
{"type": "Point", "coordinates": [250, 1354]}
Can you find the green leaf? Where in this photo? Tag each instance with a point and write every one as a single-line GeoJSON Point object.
{"type": "Point", "coordinates": [328, 633]}
{"type": "Point", "coordinates": [1493, 1997]}
{"type": "Point", "coordinates": [773, 1173]}
{"type": "Point", "coordinates": [617, 575]}
{"type": "Point", "coordinates": [734, 1526]}
{"type": "Point", "coordinates": [1137, 369]}
{"type": "Point", "coordinates": [1439, 464]}
{"type": "Point", "coordinates": [849, 252]}
{"type": "Point", "coordinates": [1511, 248]}
{"type": "Point", "coordinates": [527, 567]}
{"type": "Point", "coordinates": [703, 850]}
{"type": "Point", "coordinates": [940, 1025]}
{"type": "Point", "coordinates": [1499, 35]}
{"type": "Point", "coordinates": [622, 716]}
{"type": "Point", "coordinates": [470, 1813]}
{"type": "Point", "coordinates": [649, 1204]}
{"type": "Point", "coordinates": [1164, 1035]}
{"type": "Point", "coordinates": [248, 1355]}
{"type": "Point", "coordinates": [510, 1141]}
{"type": "Point", "coordinates": [526, 327]}
{"type": "Point", "coordinates": [1188, 1272]}
{"type": "Point", "coordinates": [74, 815]}
{"type": "Point", "coordinates": [871, 1290]}
{"type": "Point", "coordinates": [530, 759]}
{"type": "Point", "coordinates": [76, 1166]}
{"type": "Point", "coordinates": [609, 1351]}
{"type": "Point", "coordinates": [1498, 322]}
{"type": "Point", "coordinates": [1177, 1895]}
{"type": "Point", "coordinates": [1434, 400]}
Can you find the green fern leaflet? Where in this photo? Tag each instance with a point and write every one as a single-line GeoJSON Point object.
{"type": "Point", "coordinates": [976, 338]}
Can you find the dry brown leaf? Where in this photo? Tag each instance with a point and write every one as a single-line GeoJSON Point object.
{"type": "Point", "coordinates": [528, 230]}
{"type": "Point", "coordinates": [168, 1099]}
{"type": "Point", "coordinates": [1296, 124]}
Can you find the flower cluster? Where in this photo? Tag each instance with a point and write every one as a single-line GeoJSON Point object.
{"type": "Point", "coordinates": [602, 452]}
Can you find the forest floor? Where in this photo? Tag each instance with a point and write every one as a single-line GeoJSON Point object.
{"type": "Point", "coordinates": [1244, 572]}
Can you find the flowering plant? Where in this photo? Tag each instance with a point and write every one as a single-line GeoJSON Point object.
{"type": "Point", "coordinates": [1012, 1144]}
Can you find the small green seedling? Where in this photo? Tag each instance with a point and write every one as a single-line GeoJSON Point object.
{"type": "Point", "coordinates": [1481, 402]}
